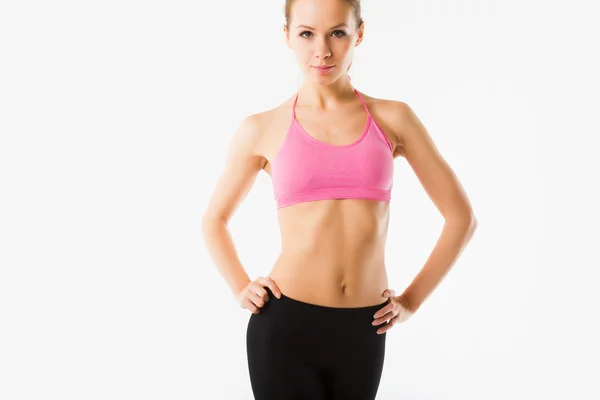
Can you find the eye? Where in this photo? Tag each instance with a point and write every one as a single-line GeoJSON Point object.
{"type": "Point", "coordinates": [336, 33]}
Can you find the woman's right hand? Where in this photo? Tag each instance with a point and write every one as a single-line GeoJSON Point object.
{"type": "Point", "coordinates": [254, 296]}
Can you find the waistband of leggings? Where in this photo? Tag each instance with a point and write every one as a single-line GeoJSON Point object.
{"type": "Point", "coordinates": [326, 309]}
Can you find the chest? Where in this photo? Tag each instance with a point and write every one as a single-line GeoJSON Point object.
{"type": "Point", "coordinates": [338, 128]}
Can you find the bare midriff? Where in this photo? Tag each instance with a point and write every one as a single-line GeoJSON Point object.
{"type": "Point", "coordinates": [333, 251]}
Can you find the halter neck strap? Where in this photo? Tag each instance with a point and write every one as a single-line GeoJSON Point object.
{"type": "Point", "coordinates": [363, 102]}
{"type": "Point", "coordinates": [294, 107]}
{"type": "Point", "coordinates": [355, 91]}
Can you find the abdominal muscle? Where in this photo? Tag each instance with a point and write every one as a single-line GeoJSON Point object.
{"type": "Point", "coordinates": [333, 252]}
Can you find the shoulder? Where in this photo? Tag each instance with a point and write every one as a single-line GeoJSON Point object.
{"type": "Point", "coordinates": [282, 112]}
{"type": "Point", "coordinates": [404, 125]}
{"type": "Point", "coordinates": [391, 111]}
{"type": "Point", "coordinates": [390, 115]}
{"type": "Point", "coordinates": [260, 122]}
{"type": "Point", "coordinates": [257, 128]}
{"type": "Point", "coordinates": [247, 135]}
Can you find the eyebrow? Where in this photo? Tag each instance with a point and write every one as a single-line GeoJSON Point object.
{"type": "Point", "coordinates": [310, 27]}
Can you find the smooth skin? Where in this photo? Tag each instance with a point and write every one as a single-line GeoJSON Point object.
{"type": "Point", "coordinates": [333, 250]}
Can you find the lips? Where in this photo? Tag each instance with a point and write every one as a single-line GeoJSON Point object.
{"type": "Point", "coordinates": [323, 69]}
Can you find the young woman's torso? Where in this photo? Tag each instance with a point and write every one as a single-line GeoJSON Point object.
{"type": "Point", "coordinates": [332, 250]}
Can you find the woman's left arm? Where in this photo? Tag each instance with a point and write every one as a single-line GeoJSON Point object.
{"type": "Point", "coordinates": [447, 194]}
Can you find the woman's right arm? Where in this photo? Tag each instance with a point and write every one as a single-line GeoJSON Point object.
{"type": "Point", "coordinates": [242, 166]}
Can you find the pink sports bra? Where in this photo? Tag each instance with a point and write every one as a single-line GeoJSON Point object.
{"type": "Point", "coordinates": [307, 169]}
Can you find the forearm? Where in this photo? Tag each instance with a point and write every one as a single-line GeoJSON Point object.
{"type": "Point", "coordinates": [222, 250]}
{"type": "Point", "coordinates": [455, 235]}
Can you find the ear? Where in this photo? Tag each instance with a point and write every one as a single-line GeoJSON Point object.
{"type": "Point", "coordinates": [360, 33]}
{"type": "Point", "coordinates": [286, 34]}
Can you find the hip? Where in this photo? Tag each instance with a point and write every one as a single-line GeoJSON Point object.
{"type": "Point", "coordinates": [312, 325]}
{"type": "Point", "coordinates": [288, 333]}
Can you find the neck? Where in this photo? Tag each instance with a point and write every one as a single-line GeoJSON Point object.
{"type": "Point", "coordinates": [326, 96]}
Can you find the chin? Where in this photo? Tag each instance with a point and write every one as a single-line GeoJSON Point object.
{"type": "Point", "coordinates": [324, 80]}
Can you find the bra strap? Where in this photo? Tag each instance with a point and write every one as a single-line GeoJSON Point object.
{"type": "Point", "coordinates": [294, 107]}
{"type": "Point", "coordinates": [363, 102]}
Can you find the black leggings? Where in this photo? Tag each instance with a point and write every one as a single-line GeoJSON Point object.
{"type": "Point", "coordinates": [302, 351]}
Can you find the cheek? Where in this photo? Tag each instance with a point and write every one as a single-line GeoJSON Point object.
{"type": "Point", "coordinates": [344, 48]}
{"type": "Point", "coordinates": [303, 53]}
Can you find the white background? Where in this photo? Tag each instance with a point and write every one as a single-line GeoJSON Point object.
{"type": "Point", "coordinates": [115, 118]}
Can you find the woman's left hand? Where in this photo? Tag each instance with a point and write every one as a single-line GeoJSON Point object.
{"type": "Point", "coordinates": [396, 311]}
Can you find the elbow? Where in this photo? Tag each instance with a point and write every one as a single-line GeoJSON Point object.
{"type": "Point", "coordinates": [211, 228]}
{"type": "Point", "coordinates": [467, 220]}
{"type": "Point", "coordinates": [472, 222]}
{"type": "Point", "coordinates": [210, 221]}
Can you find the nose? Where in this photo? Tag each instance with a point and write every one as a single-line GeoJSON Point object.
{"type": "Point", "coordinates": [322, 50]}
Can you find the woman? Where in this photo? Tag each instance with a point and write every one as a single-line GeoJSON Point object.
{"type": "Point", "coordinates": [319, 320]}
